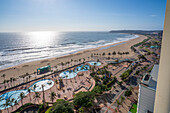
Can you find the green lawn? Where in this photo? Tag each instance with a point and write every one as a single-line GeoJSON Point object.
{"type": "Point", "coordinates": [134, 108]}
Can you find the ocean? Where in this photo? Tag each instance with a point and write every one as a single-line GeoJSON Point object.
{"type": "Point", "coordinates": [17, 48]}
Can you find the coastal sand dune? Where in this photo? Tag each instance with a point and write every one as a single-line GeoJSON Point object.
{"type": "Point", "coordinates": [31, 67]}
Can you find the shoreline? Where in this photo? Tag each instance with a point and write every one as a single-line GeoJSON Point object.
{"type": "Point", "coordinates": [30, 67]}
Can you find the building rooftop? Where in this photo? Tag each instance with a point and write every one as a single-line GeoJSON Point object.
{"type": "Point", "coordinates": [147, 91]}
{"type": "Point", "coordinates": [150, 80]}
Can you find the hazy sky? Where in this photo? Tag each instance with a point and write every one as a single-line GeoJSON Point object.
{"type": "Point", "coordinates": [81, 15]}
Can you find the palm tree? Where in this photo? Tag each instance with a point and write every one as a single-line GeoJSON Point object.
{"type": "Point", "coordinates": [34, 86]}
{"type": "Point", "coordinates": [36, 96]}
{"type": "Point", "coordinates": [12, 101]}
{"type": "Point", "coordinates": [21, 96]}
{"type": "Point", "coordinates": [62, 64]}
{"type": "Point", "coordinates": [68, 64]}
{"type": "Point", "coordinates": [23, 78]}
{"type": "Point", "coordinates": [80, 60]}
{"type": "Point", "coordinates": [56, 81]}
{"type": "Point", "coordinates": [74, 62]}
{"type": "Point", "coordinates": [71, 61]}
{"type": "Point", "coordinates": [70, 74]}
{"type": "Point", "coordinates": [11, 80]}
{"type": "Point", "coordinates": [66, 78]}
{"type": "Point", "coordinates": [1, 98]}
{"type": "Point", "coordinates": [114, 53]}
{"type": "Point", "coordinates": [4, 84]}
{"type": "Point", "coordinates": [7, 83]}
{"type": "Point", "coordinates": [26, 74]}
{"type": "Point", "coordinates": [3, 76]}
{"type": "Point", "coordinates": [52, 96]}
{"type": "Point", "coordinates": [29, 77]}
{"type": "Point", "coordinates": [29, 91]}
{"type": "Point", "coordinates": [43, 95]}
{"type": "Point", "coordinates": [84, 59]}
{"type": "Point", "coordinates": [103, 54]}
{"type": "Point", "coordinates": [14, 79]}
{"type": "Point", "coordinates": [7, 103]}
{"type": "Point", "coordinates": [16, 103]}
{"type": "Point", "coordinates": [118, 53]}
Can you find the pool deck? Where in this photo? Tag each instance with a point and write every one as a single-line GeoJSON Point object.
{"type": "Point", "coordinates": [70, 85]}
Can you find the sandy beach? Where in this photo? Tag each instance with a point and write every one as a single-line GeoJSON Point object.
{"type": "Point", "coordinates": [31, 67]}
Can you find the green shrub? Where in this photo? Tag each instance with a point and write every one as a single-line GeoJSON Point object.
{"type": "Point", "coordinates": [128, 93]}
{"type": "Point", "coordinates": [126, 74]}
{"type": "Point", "coordinates": [62, 106]}
{"type": "Point", "coordinates": [22, 107]}
{"type": "Point", "coordinates": [41, 107]}
{"type": "Point", "coordinates": [111, 83]}
{"type": "Point", "coordinates": [83, 99]}
{"type": "Point", "coordinates": [140, 43]}
{"type": "Point", "coordinates": [48, 111]}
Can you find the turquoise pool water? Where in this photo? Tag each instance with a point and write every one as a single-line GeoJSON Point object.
{"type": "Point", "coordinates": [95, 63]}
{"type": "Point", "coordinates": [10, 95]}
{"type": "Point", "coordinates": [72, 73]}
{"type": "Point", "coordinates": [46, 82]}
{"type": "Point", "coordinates": [15, 94]}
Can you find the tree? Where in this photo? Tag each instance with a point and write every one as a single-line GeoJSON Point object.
{"type": "Point", "coordinates": [56, 81]}
{"type": "Point", "coordinates": [119, 83]}
{"type": "Point", "coordinates": [52, 96]}
{"type": "Point", "coordinates": [114, 53]}
{"type": "Point", "coordinates": [71, 61]}
{"type": "Point", "coordinates": [11, 80]}
{"type": "Point", "coordinates": [12, 101]}
{"type": "Point", "coordinates": [36, 96]}
{"type": "Point", "coordinates": [84, 59]}
{"type": "Point", "coordinates": [21, 96]}
{"type": "Point", "coordinates": [16, 103]}
{"type": "Point", "coordinates": [43, 95]}
{"type": "Point", "coordinates": [128, 93]}
{"type": "Point", "coordinates": [29, 77]}
{"type": "Point", "coordinates": [29, 90]}
{"type": "Point", "coordinates": [4, 84]}
{"type": "Point", "coordinates": [62, 106]}
{"type": "Point", "coordinates": [118, 103]}
{"type": "Point", "coordinates": [3, 76]}
{"type": "Point", "coordinates": [35, 86]}
{"type": "Point", "coordinates": [14, 79]}
{"type": "Point", "coordinates": [122, 99]}
{"type": "Point", "coordinates": [84, 99]}
{"type": "Point", "coordinates": [7, 82]}
{"type": "Point", "coordinates": [7, 103]}
{"type": "Point", "coordinates": [1, 98]}
{"type": "Point", "coordinates": [62, 64]}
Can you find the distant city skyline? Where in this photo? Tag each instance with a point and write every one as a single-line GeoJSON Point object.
{"type": "Point", "coordinates": [81, 15]}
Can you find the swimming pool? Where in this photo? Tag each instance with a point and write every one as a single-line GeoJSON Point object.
{"type": "Point", "coordinates": [37, 86]}
{"type": "Point", "coordinates": [95, 63]}
{"type": "Point", "coordinates": [72, 73]}
{"type": "Point", "coordinates": [11, 95]}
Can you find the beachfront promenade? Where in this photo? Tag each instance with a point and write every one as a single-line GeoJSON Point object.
{"type": "Point", "coordinates": [71, 86]}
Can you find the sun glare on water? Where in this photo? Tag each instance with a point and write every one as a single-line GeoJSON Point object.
{"type": "Point", "coordinates": [42, 37]}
